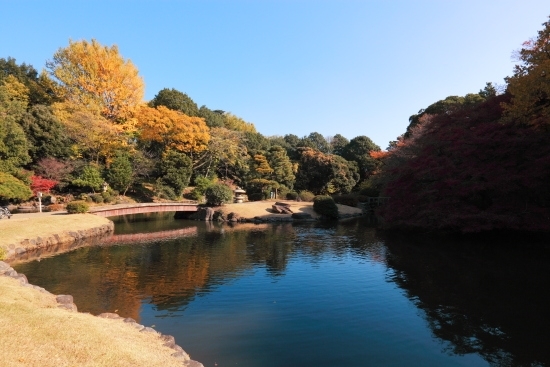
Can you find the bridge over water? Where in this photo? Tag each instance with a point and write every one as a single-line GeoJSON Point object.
{"type": "Point", "coordinates": [124, 209]}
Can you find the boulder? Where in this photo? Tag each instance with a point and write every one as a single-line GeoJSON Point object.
{"type": "Point", "coordinates": [205, 214]}
{"type": "Point", "coordinates": [4, 266]}
{"type": "Point", "coordinates": [218, 216]}
{"type": "Point", "coordinates": [64, 299]}
{"type": "Point", "coordinates": [233, 217]}
{"type": "Point", "coordinates": [281, 209]}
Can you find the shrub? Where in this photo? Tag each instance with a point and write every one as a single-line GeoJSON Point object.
{"type": "Point", "coordinates": [195, 195]}
{"type": "Point", "coordinates": [282, 191]}
{"type": "Point", "coordinates": [292, 195]}
{"type": "Point", "coordinates": [89, 178]}
{"type": "Point", "coordinates": [77, 207]}
{"type": "Point", "coordinates": [164, 191]}
{"type": "Point", "coordinates": [13, 188]}
{"type": "Point", "coordinates": [306, 195]}
{"type": "Point", "coordinates": [55, 207]}
{"type": "Point", "coordinates": [257, 196]}
{"type": "Point", "coordinates": [2, 253]}
{"type": "Point", "coordinates": [97, 198]}
{"type": "Point", "coordinates": [346, 199]}
{"type": "Point", "coordinates": [368, 188]}
{"type": "Point", "coordinates": [217, 194]}
{"type": "Point", "coordinates": [107, 198]}
{"type": "Point", "coordinates": [325, 205]}
{"type": "Point", "coordinates": [201, 184]}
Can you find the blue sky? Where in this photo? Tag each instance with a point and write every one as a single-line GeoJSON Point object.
{"type": "Point", "coordinates": [293, 67]}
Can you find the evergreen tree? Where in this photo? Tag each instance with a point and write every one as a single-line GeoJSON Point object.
{"type": "Point", "coordinates": [120, 174]}
{"type": "Point", "coordinates": [175, 169]}
{"type": "Point", "coordinates": [282, 166]}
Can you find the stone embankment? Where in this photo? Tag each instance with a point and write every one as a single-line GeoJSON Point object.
{"type": "Point", "coordinates": [66, 302]}
{"type": "Point", "coordinates": [34, 248]}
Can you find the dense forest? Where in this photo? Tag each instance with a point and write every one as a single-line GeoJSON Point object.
{"type": "Point", "coordinates": [473, 163]}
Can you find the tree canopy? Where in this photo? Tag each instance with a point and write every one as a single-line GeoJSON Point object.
{"type": "Point", "coordinates": [12, 188]}
{"type": "Point", "coordinates": [40, 86]}
{"type": "Point", "coordinates": [175, 100]}
{"type": "Point", "coordinates": [97, 77]}
{"type": "Point", "coordinates": [173, 129]}
{"type": "Point", "coordinates": [530, 84]}
{"type": "Point", "coordinates": [358, 150]}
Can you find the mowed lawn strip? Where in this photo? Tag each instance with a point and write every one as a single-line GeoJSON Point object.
{"type": "Point", "coordinates": [19, 228]}
{"type": "Point", "coordinates": [34, 332]}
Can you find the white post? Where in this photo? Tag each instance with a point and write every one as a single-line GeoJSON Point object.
{"type": "Point", "coordinates": [40, 201]}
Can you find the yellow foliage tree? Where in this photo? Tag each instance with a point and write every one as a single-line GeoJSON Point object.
{"type": "Point", "coordinates": [236, 123]}
{"type": "Point", "coordinates": [14, 98]}
{"type": "Point", "coordinates": [226, 150]}
{"type": "Point", "coordinates": [530, 84]}
{"type": "Point", "coordinates": [95, 136]}
{"type": "Point", "coordinates": [261, 166]}
{"type": "Point", "coordinates": [97, 78]}
{"type": "Point", "coordinates": [172, 129]}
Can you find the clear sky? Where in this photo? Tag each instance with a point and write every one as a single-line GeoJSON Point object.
{"type": "Point", "coordinates": [293, 67]}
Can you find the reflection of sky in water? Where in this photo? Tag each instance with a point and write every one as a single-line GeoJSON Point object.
{"type": "Point", "coordinates": [297, 295]}
{"type": "Point", "coordinates": [324, 311]}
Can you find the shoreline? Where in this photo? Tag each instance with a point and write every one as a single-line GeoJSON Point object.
{"type": "Point", "coordinates": [20, 299]}
{"type": "Point", "coordinates": [27, 236]}
{"type": "Point", "coordinates": [32, 234]}
{"type": "Point", "coordinates": [28, 243]}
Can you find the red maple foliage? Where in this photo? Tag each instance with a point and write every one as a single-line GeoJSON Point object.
{"type": "Point", "coordinates": [41, 184]}
{"type": "Point", "coordinates": [468, 172]}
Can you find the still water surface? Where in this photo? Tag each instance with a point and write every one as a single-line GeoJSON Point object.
{"type": "Point", "coordinates": [312, 295]}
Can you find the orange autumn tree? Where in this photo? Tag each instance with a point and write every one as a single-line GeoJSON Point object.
{"type": "Point", "coordinates": [530, 84]}
{"type": "Point", "coordinates": [172, 129]}
{"type": "Point", "coordinates": [100, 91]}
{"type": "Point", "coordinates": [99, 78]}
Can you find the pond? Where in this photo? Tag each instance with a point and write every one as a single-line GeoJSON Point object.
{"type": "Point", "coordinates": [313, 294]}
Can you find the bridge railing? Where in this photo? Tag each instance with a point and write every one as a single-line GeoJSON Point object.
{"type": "Point", "coordinates": [124, 209]}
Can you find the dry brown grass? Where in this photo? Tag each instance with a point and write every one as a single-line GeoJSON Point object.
{"type": "Point", "coordinates": [19, 227]}
{"type": "Point", "coordinates": [263, 209]}
{"type": "Point", "coordinates": [34, 332]}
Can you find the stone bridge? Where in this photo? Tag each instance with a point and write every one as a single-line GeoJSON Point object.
{"type": "Point", "coordinates": [124, 209]}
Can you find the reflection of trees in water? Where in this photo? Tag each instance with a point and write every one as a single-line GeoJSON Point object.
{"type": "Point", "coordinates": [487, 300]}
{"type": "Point", "coordinates": [170, 273]}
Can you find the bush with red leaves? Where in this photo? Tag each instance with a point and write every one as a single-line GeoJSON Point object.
{"type": "Point", "coordinates": [467, 172]}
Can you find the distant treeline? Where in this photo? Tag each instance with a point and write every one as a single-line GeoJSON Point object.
{"type": "Point", "coordinates": [465, 164]}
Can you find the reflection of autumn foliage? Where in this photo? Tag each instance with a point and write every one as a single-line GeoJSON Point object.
{"type": "Point", "coordinates": [467, 172]}
{"type": "Point", "coordinates": [503, 321]}
{"type": "Point", "coordinates": [170, 273]}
